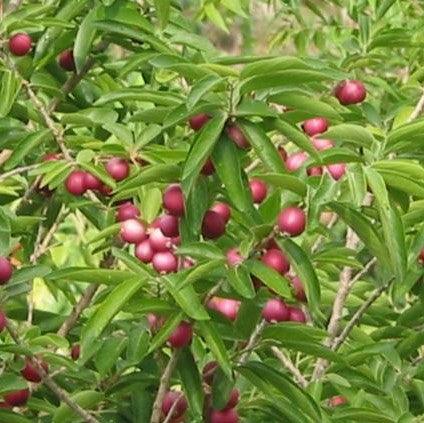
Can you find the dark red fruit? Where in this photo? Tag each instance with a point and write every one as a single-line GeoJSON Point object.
{"type": "Point", "coordinates": [258, 189]}
{"type": "Point", "coordinates": [337, 400]}
{"type": "Point", "coordinates": [165, 262]}
{"type": "Point", "coordinates": [234, 257]}
{"type": "Point", "coordinates": [208, 168]}
{"type": "Point", "coordinates": [4, 405]}
{"type": "Point", "coordinates": [196, 122]}
{"type": "Point", "coordinates": [173, 200]}
{"type": "Point", "coordinates": [208, 372]}
{"type": "Point", "coordinates": [297, 315]}
{"type": "Point", "coordinates": [127, 211]}
{"type": "Point", "coordinates": [275, 310]}
{"type": "Point", "coordinates": [337, 170]}
{"type": "Point", "coordinates": [322, 144]}
{"type": "Point", "coordinates": [92, 182]}
{"type": "Point", "coordinates": [3, 320]}
{"type": "Point", "coordinates": [232, 400]}
{"type": "Point", "coordinates": [31, 373]}
{"type": "Point", "coordinates": [295, 161]}
{"type": "Point", "coordinates": [275, 259]}
{"type": "Point", "coordinates": [225, 306]}
{"type": "Point", "coordinates": [75, 182]}
{"type": "Point", "coordinates": [315, 126]}
{"type": "Point", "coordinates": [350, 92]}
{"type": "Point", "coordinates": [292, 220]}
{"type": "Point", "coordinates": [213, 225]}
{"type": "Point", "coordinates": [20, 44]}
{"type": "Point", "coordinates": [181, 336]}
{"type": "Point", "coordinates": [222, 209]}
{"type": "Point", "coordinates": [421, 257]}
{"type": "Point", "coordinates": [132, 231]}
{"type": "Point", "coordinates": [17, 398]}
{"type": "Point", "coordinates": [170, 398]}
{"type": "Point", "coordinates": [118, 168]}
{"type": "Point", "coordinates": [6, 270]}
{"type": "Point", "coordinates": [169, 225]}
{"type": "Point", "coordinates": [66, 60]}
{"type": "Point", "coordinates": [144, 251]}
{"type": "Point", "coordinates": [75, 351]}
{"type": "Point", "coordinates": [299, 291]}
{"type": "Point", "coordinates": [235, 134]}
{"type": "Point", "coordinates": [227, 416]}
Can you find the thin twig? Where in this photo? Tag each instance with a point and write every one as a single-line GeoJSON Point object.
{"type": "Point", "coordinates": [18, 170]}
{"type": "Point", "coordinates": [163, 386]}
{"type": "Point", "coordinates": [253, 340]}
{"type": "Point", "coordinates": [289, 365]}
{"type": "Point", "coordinates": [174, 406]}
{"type": "Point", "coordinates": [417, 110]}
{"type": "Point", "coordinates": [252, 166]}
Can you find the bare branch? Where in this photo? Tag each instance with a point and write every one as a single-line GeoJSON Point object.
{"type": "Point", "coordinates": [289, 365]}
{"type": "Point", "coordinates": [253, 340]}
{"type": "Point", "coordinates": [18, 171]}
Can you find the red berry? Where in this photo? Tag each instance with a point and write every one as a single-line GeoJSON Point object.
{"type": "Point", "coordinates": [31, 373]}
{"type": "Point", "coordinates": [20, 44]}
{"type": "Point", "coordinates": [168, 402]}
{"type": "Point", "coordinates": [4, 405]}
{"type": "Point", "coordinates": [224, 416]}
{"type": "Point", "coordinates": [51, 157]}
{"type": "Point", "coordinates": [173, 200]}
{"type": "Point", "coordinates": [92, 182]}
{"type": "Point", "coordinates": [226, 306]}
{"type": "Point", "coordinates": [234, 257]}
{"type": "Point", "coordinates": [350, 92]}
{"type": "Point", "coordinates": [232, 400]}
{"type": "Point", "coordinates": [297, 315]}
{"type": "Point", "coordinates": [75, 351]}
{"type": "Point", "coordinates": [208, 168]}
{"type": "Point", "coordinates": [258, 189]}
{"type": "Point", "coordinates": [118, 168]}
{"type": "Point", "coordinates": [235, 134]}
{"type": "Point", "coordinates": [144, 251]}
{"type": "Point", "coordinates": [158, 241]}
{"type": "Point", "coordinates": [181, 336]}
{"type": "Point", "coordinates": [275, 259]}
{"type": "Point", "coordinates": [3, 320]}
{"type": "Point", "coordinates": [169, 225]}
{"type": "Point", "coordinates": [75, 182]}
{"type": "Point", "coordinates": [337, 400]}
{"type": "Point", "coordinates": [127, 211]}
{"type": "Point", "coordinates": [6, 270]}
{"type": "Point", "coordinates": [17, 398]}
{"type": "Point", "coordinates": [209, 371]}
{"type": "Point", "coordinates": [132, 231]}
{"type": "Point", "coordinates": [322, 144]}
{"type": "Point", "coordinates": [295, 161]}
{"type": "Point", "coordinates": [292, 220]}
{"type": "Point", "coordinates": [299, 291]}
{"type": "Point", "coordinates": [275, 310]}
{"type": "Point", "coordinates": [66, 60]}
{"type": "Point", "coordinates": [223, 209]}
{"type": "Point", "coordinates": [315, 126]}
{"type": "Point", "coordinates": [421, 257]}
{"type": "Point", "coordinates": [213, 225]}
{"type": "Point", "coordinates": [314, 171]}
{"type": "Point", "coordinates": [165, 262]}
{"type": "Point", "coordinates": [337, 170]}
{"type": "Point", "coordinates": [196, 122]}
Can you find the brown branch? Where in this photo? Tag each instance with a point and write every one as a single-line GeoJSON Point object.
{"type": "Point", "coordinates": [289, 365]}
{"type": "Point", "coordinates": [163, 386]}
{"type": "Point", "coordinates": [17, 171]}
{"type": "Point", "coordinates": [253, 340]}
{"type": "Point", "coordinates": [4, 156]}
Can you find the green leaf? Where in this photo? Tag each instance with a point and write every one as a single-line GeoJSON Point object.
{"type": "Point", "coordinates": [100, 173]}
{"type": "Point", "coordinates": [105, 233]}
{"type": "Point", "coordinates": [201, 250]}
{"type": "Point", "coordinates": [361, 415]}
{"type": "Point", "coordinates": [269, 65]}
{"type": "Point", "coordinates": [9, 89]}
{"type": "Point", "coordinates": [213, 14]}
{"type": "Point", "coordinates": [285, 182]}
{"type": "Point", "coordinates": [108, 355]}
{"type": "Point", "coordinates": [403, 183]}
{"type": "Point", "coordinates": [199, 272]}
{"type": "Point", "coordinates": [86, 274]}
{"type": "Point", "coordinates": [202, 87]}
{"type": "Point", "coordinates": [163, 8]}
{"type": "Point", "coordinates": [10, 382]}
{"type": "Point", "coordinates": [5, 233]}
{"type": "Point", "coordinates": [349, 133]}
{"type": "Point", "coordinates": [165, 331]}
{"type": "Point", "coordinates": [10, 417]}
{"type": "Point", "coordinates": [239, 280]}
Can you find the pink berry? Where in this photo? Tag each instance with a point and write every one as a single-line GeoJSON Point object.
{"type": "Point", "coordinates": [314, 171]}
{"type": "Point", "coordinates": [299, 291]}
{"type": "Point", "coordinates": [75, 182]}
{"type": "Point", "coordinates": [315, 126]}
{"type": "Point", "coordinates": [181, 336]}
{"type": "Point", "coordinates": [155, 321]}
{"type": "Point", "coordinates": [226, 306]}
{"type": "Point", "coordinates": [127, 211]}
{"type": "Point", "coordinates": [213, 225]}
{"type": "Point", "coordinates": [169, 225]}
{"type": "Point", "coordinates": [337, 400]}
{"type": "Point", "coordinates": [275, 310]}
{"type": "Point", "coordinates": [20, 44]}
{"type": "Point", "coordinates": [350, 92]}
{"type": "Point", "coordinates": [118, 168]}
{"type": "Point", "coordinates": [196, 122]}
{"type": "Point", "coordinates": [66, 60]}
{"type": "Point", "coordinates": [144, 251]}
{"type": "Point", "coordinates": [258, 189]}
{"type": "Point", "coordinates": [75, 351]}
{"type": "Point", "coordinates": [234, 257]}
{"type": "Point", "coordinates": [208, 168]}
{"type": "Point", "coordinates": [158, 241]}
{"type": "Point", "coordinates": [3, 320]}
{"type": "Point", "coordinates": [224, 416]}
{"type": "Point", "coordinates": [222, 209]}
{"type": "Point", "coordinates": [6, 270]}
{"type": "Point", "coordinates": [296, 315]}
{"type": "Point", "coordinates": [292, 220]}
{"type": "Point", "coordinates": [236, 135]}
{"type": "Point", "coordinates": [295, 161]}
{"type": "Point", "coordinates": [173, 200]}
{"type": "Point", "coordinates": [275, 259]}
{"type": "Point", "coordinates": [322, 144]}
{"type": "Point", "coordinates": [92, 182]}
{"type": "Point", "coordinates": [170, 398]}
{"type": "Point", "coordinates": [17, 398]}
{"type": "Point", "coordinates": [133, 231]}
{"type": "Point", "coordinates": [337, 170]}
{"type": "Point", "coordinates": [165, 262]}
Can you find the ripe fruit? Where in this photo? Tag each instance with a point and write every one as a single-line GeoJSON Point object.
{"type": "Point", "coordinates": [322, 144]}
{"type": "Point", "coordinates": [337, 170]}
{"type": "Point", "coordinates": [132, 231]}
{"type": "Point", "coordinates": [127, 211]}
{"type": "Point", "coordinates": [314, 171]}
{"type": "Point", "coordinates": [155, 321]}
{"type": "Point", "coordinates": [275, 259]}
{"type": "Point", "coordinates": [225, 306]}
{"type": "Point", "coordinates": [91, 182]}
{"type": "Point", "coordinates": [233, 257]}
{"type": "Point", "coordinates": [66, 60]}
{"type": "Point", "coordinates": [168, 224]}
{"type": "Point", "coordinates": [337, 400]}
{"type": "Point", "coordinates": [165, 262]}
{"type": "Point", "coordinates": [6, 270]}
{"type": "Point", "coordinates": [75, 182]}
{"type": "Point", "coordinates": [75, 351]}
{"type": "Point", "coordinates": [196, 122]}
{"type": "Point", "coordinates": [275, 310]}
{"type": "Point", "coordinates": [315, 126]}
{"type": "Point", "coordinates": [422, 255]}
{"type": "Point", "coordinates": [117, 168]}
{"type": "Point", "coordinates": [144, 251]}
{"type": "Point", "coordinates": [20, 44]}
{"type": "Point", "coordinates": [168, 402]}
{"type": "Point", "coordinates": [234, 133]}
{"type": "Point", "coordinates": [224, 416]}
{"type": "Point", "coordinates": [222, 209]}
{"type": "Point", "coordinates": [208, 372]}
{"type": "Point", "coordinates": [158, 241]}
{"type": "Point", "coordinates": [181, 336]}
{"type": "Point", "coordinates": [292, 220]}
{"type": "Point", "coordinates": [173, 200]}
{"type": "Point", "coordinates": [232, 400]}
{"type": "Point", "coordinates": [213, 225]}
{"type": "Point", "coordinates": [296, 315]}
{"type": "Point", "coordinates": [17, 398]}
{"type": "Point", "coordinates": [350, 92]}
{"type": "Point", "coordinates": [3, 320]}
{"type": "Point", "coordinates": [258, 189]}
{"type": "Point", "coordinates": [31, 373]}
{"type": "Point", "coordinates": [299, 291]}
{"type": "Point", "coordinates": [208, 168]}
{"type": "Point", "coordinates": [295, 161]}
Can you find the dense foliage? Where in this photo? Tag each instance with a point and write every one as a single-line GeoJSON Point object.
{"type": "Point", "coordinates": [211, 211]}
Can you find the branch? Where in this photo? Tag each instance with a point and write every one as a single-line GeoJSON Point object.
{"type": "Point", "coordinates": [289, 365]}
{"type": "Point", "coordinates": [418, 109]}
{"type": "Point", "coordinates": [254, 337]}
{"type": "Point", "coordinates": [17, 171]}
{"type": "Point", "coordinates": [163, 386]}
